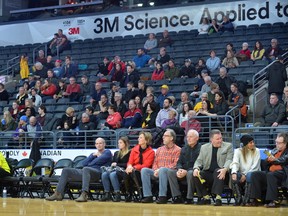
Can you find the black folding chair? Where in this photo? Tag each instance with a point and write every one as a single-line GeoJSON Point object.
{"type": "Point", "coordinates": [35, 183]}
{"type": "Point", "coordinates": [14, 183]}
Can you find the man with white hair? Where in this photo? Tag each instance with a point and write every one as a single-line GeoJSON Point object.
{"type": "Point", "coordinates": [205, 88]}
{"type": "Point", "coordinates": [40, 72]}
{"type": "Point", "coordinates": [224, 81]}
{"type": "Point", "coordinates": [121, 107]}
{"type": "Point", "coordinates": [184, 169]}
{"type": "Point", "coordinates": [273, 51]}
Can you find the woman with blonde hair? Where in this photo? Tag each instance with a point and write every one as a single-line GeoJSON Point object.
{"type": "Point", "coordinates": [68, 117]}
{"type": "Point", "coordinates": [8, 122]}
{"type": "Point", "coordinates": [112, 174]}
{"type": "Point", "coordinates": [245, 161]}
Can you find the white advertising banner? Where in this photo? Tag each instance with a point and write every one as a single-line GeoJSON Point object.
{"type": "Point", "coordinates": [55, 154]}
{"type": "Point", "coordinates": [142, 22]}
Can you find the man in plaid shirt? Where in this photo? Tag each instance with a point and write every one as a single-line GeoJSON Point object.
{"type": "Point", "coordinates": [165, 159]}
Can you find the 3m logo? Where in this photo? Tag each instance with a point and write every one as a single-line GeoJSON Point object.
{"type": "Point", "coordinates": [74, 31]}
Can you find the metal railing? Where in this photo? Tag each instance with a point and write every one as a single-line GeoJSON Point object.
{"type": "Point", "coordinates": [10, 65]}
{"type": "Point", "coordinates": [74, 139]}
{"type": "Point", "coordinates": [84, 138]}
{"type": "Point", "coordinates": [264, 137]}
{"type": "Point", "coordinates": [22, 140]}
{"type": "Point", "coordinates": [260, 88]}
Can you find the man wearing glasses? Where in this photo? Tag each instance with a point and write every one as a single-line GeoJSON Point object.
{"type": "Point", "coordinates": [274, 176]}
{"type": "Point", "coordinates": [165, 159]}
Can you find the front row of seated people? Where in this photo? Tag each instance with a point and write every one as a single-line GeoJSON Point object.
{"type": "Point", "coordinates": [205, 169]}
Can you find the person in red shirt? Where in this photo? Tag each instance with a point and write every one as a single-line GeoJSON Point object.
{"type": "Point", "coordinates": [113, 63]}
{"type": "Point", "coordinates": [48, 90]}
{"type": "Point", "coordinates": [73, 90]}
{"type": "Point", "coordinates": [114, 119]}
{"type": "Point", "coordinates": [158, 73]}
{"type": "Point", "coordinates": [244, 54]}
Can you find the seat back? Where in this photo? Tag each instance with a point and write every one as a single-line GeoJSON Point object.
{"type": "Point", "coordinates": [62, 163]}
{"type": "Point", "coordinates": [20, 168]}
{"type": "Point", "coordinates": [78, 158]}
{"type": "Point", "coordinates": [78, 164]}
{"type": "Point", "coordinates": [46, 163]}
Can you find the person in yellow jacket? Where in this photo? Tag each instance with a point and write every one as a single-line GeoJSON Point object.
{"type": "Point", "coordinates": [24, 69]}
{"type": "Point", "coordinates": [4, 167]}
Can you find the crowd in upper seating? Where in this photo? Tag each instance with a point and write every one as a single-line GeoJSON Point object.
{"type": "Point", "coordinates": [129, 98]}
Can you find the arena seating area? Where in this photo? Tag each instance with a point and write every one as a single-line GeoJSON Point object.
{"type": "Point", "coordinates": [187, 44]}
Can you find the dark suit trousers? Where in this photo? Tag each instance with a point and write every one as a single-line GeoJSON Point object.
{"type": "Point", "coordinates": [258, 184]}
{"type": "Point", "coordinates": [274, 180]}
{"type": "Point", "coordinates": [212, 182]}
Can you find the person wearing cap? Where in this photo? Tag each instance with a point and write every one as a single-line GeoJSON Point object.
{"type": "Point", "coordinates": [273, 176]}
{"type": "Point", "coordinates": [58, 69]}
{"type": "Point", "coordinates": [164, 94]}
{"type": "Point", "coordinates": [213, 63]}
{"type": "Point", "coordinates": [187, 70]}
{"type": "Point", "coordinates": [246, 160]}
{"type": "Point", "coordinates": [17, 138]}
{"type": "Point", "coordinates": [277, 76]}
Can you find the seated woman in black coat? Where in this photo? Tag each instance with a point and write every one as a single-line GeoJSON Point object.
{"type": "Point", "coordinates": [149, 118]}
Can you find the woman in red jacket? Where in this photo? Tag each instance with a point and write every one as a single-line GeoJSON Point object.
{"type": "Point", "coordinates": [142, 155]}
{"type": "Point", "coordinates": [158, 73]}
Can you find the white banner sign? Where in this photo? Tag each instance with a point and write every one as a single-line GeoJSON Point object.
{"type": "Point", "coordinates": [143, 22]}
{"type": "Point", "coordinates": [55, 154]}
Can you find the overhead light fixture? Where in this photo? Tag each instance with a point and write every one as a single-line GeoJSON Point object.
{"type": "Point", "coordinates": [152, 3]}
{"type": "Point", "coordinates": [140, 4]}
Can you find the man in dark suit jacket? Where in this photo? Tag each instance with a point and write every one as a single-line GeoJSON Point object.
{"type": "Point", "coordinates": [212, 166]}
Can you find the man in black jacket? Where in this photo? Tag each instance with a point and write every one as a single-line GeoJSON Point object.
{"type": "Point", "coordinates": [273, 113]}
{"type": "Point", "coordinates": [275, 175]}
{"type": "Point", "coordinates": [184, 168]}
{"type": "Point", "coordinates": [276, 76]}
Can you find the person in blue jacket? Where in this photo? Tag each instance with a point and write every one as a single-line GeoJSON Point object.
{"type": "Point", "coordinates": [91, 171]}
